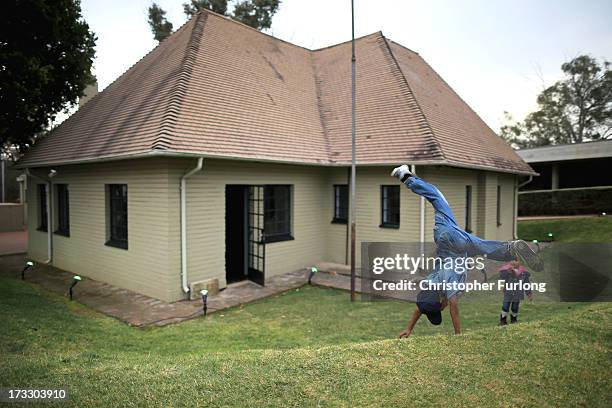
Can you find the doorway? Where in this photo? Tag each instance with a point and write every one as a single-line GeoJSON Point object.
{"type": "Point", "coordinates": [244, 235]}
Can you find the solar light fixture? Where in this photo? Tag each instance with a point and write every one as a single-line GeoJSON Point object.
{"type": "Point", "coordinates": [204, 294]}
{"type": "Point", "coordinates": [550, 235]}
{"type": "Point", "coordinates": [27, 266]}
{"type": "Point", "coordinates": [75, 279]}
{"type": "Point", "coordinates": [313, 270]}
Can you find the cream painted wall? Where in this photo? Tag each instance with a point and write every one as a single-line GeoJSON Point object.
{"type": "Point", "coordinates": [151, 265]}
{"type": "Point", "coordinates": [145, 266]}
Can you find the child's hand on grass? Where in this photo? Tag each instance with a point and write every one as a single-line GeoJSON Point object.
{"type": "Point", "coordinates": [405, 333]}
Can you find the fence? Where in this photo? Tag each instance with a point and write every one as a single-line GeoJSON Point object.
{"type": "Point", "coordinates": [575, 201]}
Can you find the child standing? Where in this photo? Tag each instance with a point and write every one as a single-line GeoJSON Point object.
{"type": "Point", "coordinates": [513, 273]}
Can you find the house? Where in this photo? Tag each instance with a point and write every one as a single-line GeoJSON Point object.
{"type": "Point", "coordinates": [223, 155]}
{"type": "Point", "coordinates": [573, 179]}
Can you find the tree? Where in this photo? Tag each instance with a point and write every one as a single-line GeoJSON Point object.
{"type": "Point", "coordinates": [46, 53]}
{"type": "Point", "coordinates": [218, 6]}
{"type": "Point", "coordinates": [576, 109]}
{"type": "Point", "coordinates": [160, 26]}
{"type": "Point", "coordinates": [255, 13]}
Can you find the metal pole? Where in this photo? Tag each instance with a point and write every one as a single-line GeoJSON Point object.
{"type": "Point", "coordinates": [3, 179]}
{"type": "Point", "coordinates": [353, 215]}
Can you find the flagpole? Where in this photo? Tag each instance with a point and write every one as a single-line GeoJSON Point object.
{"type": "Point", "coordinates": [353, 172]}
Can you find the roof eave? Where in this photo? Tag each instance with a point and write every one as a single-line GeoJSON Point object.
{"type": "Point", "coordinates": [178, 154]}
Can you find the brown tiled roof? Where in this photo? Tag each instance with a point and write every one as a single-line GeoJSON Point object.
{"type": "Point", "coordinates": [217, 88]}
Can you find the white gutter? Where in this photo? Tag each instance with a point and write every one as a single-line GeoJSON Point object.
{"type": "Point", "coordinates": [259, 159]}
{"type": "Point", "coordinates": [49, 218]}
{"type": "Point", "coordinates": [421, 217]}
{"type": "Point", "coordinates": [183, 188]}
{"type": "Point", "coordinates": [516, 189]}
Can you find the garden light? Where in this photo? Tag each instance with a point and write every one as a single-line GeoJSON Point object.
{"type": "Point", "coordinates": [27, 266]}
{"type": "Point", "coordinates": [313, 270]}
{"type": "Point", "coordinates": [204, 294]}
{"type": "Point", "coordinates": [75, 279]}
{"type": "Point", "coordinates": [550, 235]}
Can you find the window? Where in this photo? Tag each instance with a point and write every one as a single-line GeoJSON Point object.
{"type": "Point", "coordinates": [468, 208]}
{"type": "Point", "coordinates": [390, 206]}
{"type": "Point", "coordinates": [277, 213]}
{"type": "Point", "coordinates": [340, 204]}
{"type": "Point", "coordinates": [117, 215]}
{"type": "Point", "coordinates": [42, 207]}
{"type": "Point", "coordinates": [63, 210]}
{"type": "Point", "coordinates": [499, 223]}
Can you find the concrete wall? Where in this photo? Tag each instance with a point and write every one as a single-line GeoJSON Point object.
{"type": "Point", "coordinates": [151, 265]}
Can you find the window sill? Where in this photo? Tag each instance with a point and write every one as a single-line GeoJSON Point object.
{"type": "Point", "coordinates": [392, 226]}
{"type": "Point", "coordinates": [117, 244]}
{"type": "Point", "coordinates": [277, 238]}
{"type": "Point", "coordinates": [339, 221]}
{"type": "Point", "coordinates": [63, 233]}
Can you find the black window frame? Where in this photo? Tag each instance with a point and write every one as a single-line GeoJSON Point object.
{"type": "Point", "coordinates": [387, 211]}
{"type": "Point", "coordinates": [43, 219]}
{"type": "Point", "coordinates": [341, 204]}
{"type": "Point", "coordinates": [468, 208]}
{"type": "Point", "coordinates": [278, 228]}
{"type": "Point", "coordinates": [63, 209]}
{"type": "Point", "coordinates": [499, 196]}
{"type": "Point", "coordinates": [117, 207]}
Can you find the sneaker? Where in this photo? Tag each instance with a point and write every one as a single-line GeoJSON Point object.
{"type": "Point", "coordinates": [513, 319]}
{"type": "Point", "coordinates": [503, 321]}
{"type": "Point", "coordinates": [521, 251]}
{"type": "Point", "coordinates": [402, 172]}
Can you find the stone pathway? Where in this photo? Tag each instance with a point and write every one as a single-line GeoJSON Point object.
{"type": "Point", "coordinates": [141, 311]}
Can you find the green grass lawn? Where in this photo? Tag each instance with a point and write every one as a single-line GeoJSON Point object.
{"type": "Point", "coordinates": [589, 229]}
{"type": "Point", "coordinates": [308, 347]}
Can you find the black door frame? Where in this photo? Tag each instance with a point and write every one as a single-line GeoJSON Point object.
{"type": "Point", "coordinates": [256, 246]}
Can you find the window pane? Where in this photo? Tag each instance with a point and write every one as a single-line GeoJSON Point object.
{"type": "Point", "coordinates": [468, 208]}
{"type": "Point", "coordinates": [42, 204]}
{"type": "Point", "coordinates": [340, 202]}
{"type": "Point", "coordinates": [498, 205]}
{"type": "Point", "coordinates": [390, 205]}
{"type": "Point", "coordinates": [118, 213]}
{"type": "Point", "coordinates": [277, 210]}
{"type": "Point", "coordinates": [63, 210]}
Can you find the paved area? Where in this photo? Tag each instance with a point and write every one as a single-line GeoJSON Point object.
{"type": "Point", "coordinates": [141, 311]}
{"type": "Point", "coordinates": [13, 242]}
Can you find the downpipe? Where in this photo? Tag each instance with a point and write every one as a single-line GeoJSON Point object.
{"type": "Point", "coordinates": [183, 188]}
{"type": "Point", "coordinates": [48, 184]}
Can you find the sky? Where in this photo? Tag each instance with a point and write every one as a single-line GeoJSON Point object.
{"type": "Point", "coordinates": [497, 55]}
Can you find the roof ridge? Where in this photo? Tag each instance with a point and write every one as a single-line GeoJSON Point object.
{"type": "Point", "coordinates": [418, 106]}
{"type": "Point", "coordinates": [227, 18]}
{"type": "Point", "coordinates": [163, 139]}
{"type": "Point", "coordinates": [379, 32]}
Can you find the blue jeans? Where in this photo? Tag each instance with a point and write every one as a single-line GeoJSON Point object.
{"type": "Point", "coordinates": [451, 240]}
{"type": "Point", "coordinates": [515, 307]}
